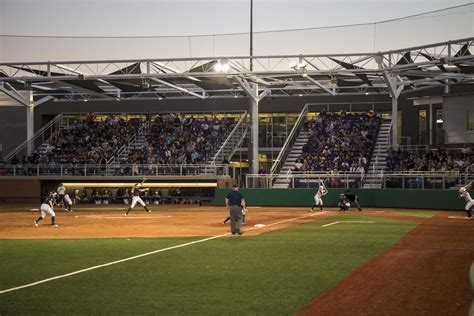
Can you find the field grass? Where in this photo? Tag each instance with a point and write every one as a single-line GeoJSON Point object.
{"type": "Point", "coordinates": [423, 214]}
{"type": "Point", "coordinates": [275, 273]}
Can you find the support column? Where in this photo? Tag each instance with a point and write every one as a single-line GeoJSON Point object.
{"type": "Point", "coordinates": [30, 116]}
{"type": "Point", "coordinates": [431, 122]}
{"type": "Point", "coordinates": [253, 144]}
{"type": "Point", "coordinates": [394, 123]}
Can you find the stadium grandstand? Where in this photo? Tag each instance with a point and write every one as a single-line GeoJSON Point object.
{"type": "Point", "coordinates": [381, 111]}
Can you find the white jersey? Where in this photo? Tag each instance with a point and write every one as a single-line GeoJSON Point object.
{"type": "Point", "coordinates": [61, 190]}
{"type": "Point", "coordinates": [467, 197]}
{"type": "Point", "coordinates": [319, 193]}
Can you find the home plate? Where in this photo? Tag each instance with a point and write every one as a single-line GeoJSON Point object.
{"type": "Point", "coordinates": [457, 217]}
{"type": "Point", "coordinates": [260, 225]}
{"type": "Point", "coordinates": [34, 210]}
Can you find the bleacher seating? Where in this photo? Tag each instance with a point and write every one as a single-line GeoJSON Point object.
{"type": "Point", "coordinates": [429, 160]}
{"type": "Point", "coordinates": [339, 142]}
{"type": "Point", "coordinates": [175, 139]}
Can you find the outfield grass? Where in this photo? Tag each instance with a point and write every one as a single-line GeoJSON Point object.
{"type": "Point", "coordinates": [274, 273]}
{"type": "Point", "coordinates": [423, 214]}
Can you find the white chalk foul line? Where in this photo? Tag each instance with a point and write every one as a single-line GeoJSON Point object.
{"type": "Point", "coordinates": [120, 217]}
{"type": "Point", "coordinates": [342, 222]}
{"type": "Point", "coordinates": [457, 217]}
{"type": "Point", "coordinates": [140, 256]}
{"type": "Point", "coordinates": [330, 224]}
{"type": "Point", "coordinates": [110, 263]}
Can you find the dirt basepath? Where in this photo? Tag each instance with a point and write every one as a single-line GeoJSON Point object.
{"type": "Point", "coordinates": [424, 273]}
{"type": "Point", "coordinates": [164, 221]}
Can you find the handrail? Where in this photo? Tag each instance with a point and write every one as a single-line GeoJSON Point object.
{"type": "Point", "coordinates": [85, 170]}
{"type": "Point", "coordinates": [424, 180]}
{"type": "Point", "coordinates": [378, 146]}
{"type": "Point", "coordinates": [130, 140]}
{"type": "Point", "coordinates": [239, 124]}
{"type": "Point", "coordinates": [289, 141]}
{"type": "Point", "coordinates": [34, 137]}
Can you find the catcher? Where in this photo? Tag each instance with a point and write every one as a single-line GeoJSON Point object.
{"type": "Point", "coordinates": [464, 194]}
{"type": "Point", "coordinates": [136, 190]}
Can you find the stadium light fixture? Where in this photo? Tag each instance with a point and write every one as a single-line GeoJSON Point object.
{"type": "Point", "coordinates": [439, 121]}
{"type": "Point", "coordinates": [222, 66]}
{"type": "Point", "coordinates": [297, 66]}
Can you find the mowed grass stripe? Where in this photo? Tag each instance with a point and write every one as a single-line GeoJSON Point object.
{"type": "Point", "coordinates": [422, 214]}
{"type": "Point", "coordinates": [274, 273]}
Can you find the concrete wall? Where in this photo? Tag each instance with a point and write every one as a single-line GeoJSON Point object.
{"type": "Point", "coordinates": [455, 111]}
{"type": "Point", "coordinates": [12, 127]}
{"type": "Point", "coordinates": [20, 191]}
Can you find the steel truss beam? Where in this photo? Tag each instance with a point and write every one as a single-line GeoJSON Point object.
{"type": "Point", "coordinates": [394, 72]}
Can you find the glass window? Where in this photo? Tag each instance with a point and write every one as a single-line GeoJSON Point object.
{"type": "Point", "coordinates": [470, 121]}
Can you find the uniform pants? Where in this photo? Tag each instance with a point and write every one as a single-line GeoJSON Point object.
{"type": "Point", "coordinates": [45, 208]}
{"type": "Point", "coordinates": [135, 200]}
{"type": "Point", "coordinates": [468, 207]}
{"type": "Point", "coordinates": [236, 217]}
{"type": "Point", "coordinates": [318, 200]}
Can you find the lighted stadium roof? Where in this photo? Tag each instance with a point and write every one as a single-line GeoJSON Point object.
{"type": "Point", "coordinates": [391, 72]}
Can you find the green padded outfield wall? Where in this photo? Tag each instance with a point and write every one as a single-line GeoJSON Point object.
{"type": "Point", "coordinates": [422, 199]}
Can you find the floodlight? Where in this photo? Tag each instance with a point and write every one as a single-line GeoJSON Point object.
{"type": "Point", "coordinates": [440, 121]}
{"type": "Point", "coordinates": [222, 66]}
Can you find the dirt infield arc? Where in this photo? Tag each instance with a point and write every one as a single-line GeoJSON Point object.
{"type": "Point", "coordinates": [424, 273]}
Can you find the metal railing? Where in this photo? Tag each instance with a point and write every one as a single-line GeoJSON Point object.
{"type": "Point", "coordinates": [41, 136]}
{"type": "Point", "coordinates": [288, 145]}
{"type": "Point", "coordinates": [144, 127]}
{"type": "Point", "coordinates": [306, 180]}
{"type": "Point", "coordinates": [149, 170]}
{"type": "Point", "coordinates": [407, 180]}
{"type": "Point", "coordinates": [233, 141]}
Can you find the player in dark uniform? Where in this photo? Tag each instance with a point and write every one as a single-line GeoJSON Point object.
{"type": "Point", "coordinates": [236, 203]}
{"type": "Point", "coordinates": [343, 203]}
{"type": "Point", "coordinates": [76, 196]}
{"type": "Point", "coordinates": [353, 199]}
{"type": "Point", "coordinates": [47, 207]}
{"type": "Point", "coordinates": [136, 198]}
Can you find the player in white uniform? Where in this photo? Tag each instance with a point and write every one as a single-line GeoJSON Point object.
{"type": "Point", "coordinates": [47, 207]}
{"type": "Point", "coordinates": [464, 193]}
{"type": "Point", "coordinates": [318, 200]}
{"type": "Point", "coordinates": [67, 202]}
{"type": "Point", "coordinates": [61, 193]}
{"type": "Point", "coordinates": [136, 198]}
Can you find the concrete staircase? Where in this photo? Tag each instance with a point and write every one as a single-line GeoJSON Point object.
{"type": "Point", "coordinates": [282, 181]}
{"type": "Point", "coordinates": [378, 163]}
{"type": "Point", "coordinates": [137, 143]}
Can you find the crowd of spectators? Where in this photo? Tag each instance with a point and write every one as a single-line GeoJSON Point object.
{"type": "Point", "coordinates": [436, 160]}
{"type": "Point", "coordinates": [88, 141]}
{"type": "Point", "coordinates": [178, 139]}
{"type": "Point", "coordinates": [339, 143]}
{"type": "Point", "coordinates": [172, 139]}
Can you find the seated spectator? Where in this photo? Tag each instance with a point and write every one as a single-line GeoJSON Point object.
{"type": "Point", "coordinates": [342, 142]}
{"type": "Point", "coordinates": [430, 160]}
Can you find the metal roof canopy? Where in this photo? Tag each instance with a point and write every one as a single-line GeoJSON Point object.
{"type": "Point", "coordinates": [392, 72]}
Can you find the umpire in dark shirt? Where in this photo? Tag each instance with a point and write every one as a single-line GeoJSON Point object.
{"type": "Point", "coordinates": [236, 203]}
{"type": "Point", "coordinates": [353, 199]}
